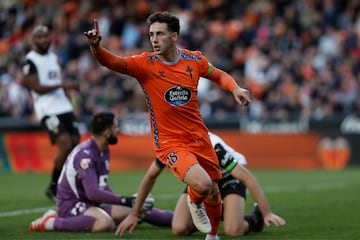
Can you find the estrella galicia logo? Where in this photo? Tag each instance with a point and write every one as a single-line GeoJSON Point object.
{"type": "Point", "coordinates": [178, 96]}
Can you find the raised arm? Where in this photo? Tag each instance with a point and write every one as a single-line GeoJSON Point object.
{"type": "Point", "coordinates": [94, 37]}
{"type": "Point", "coordinates": [103, 56]}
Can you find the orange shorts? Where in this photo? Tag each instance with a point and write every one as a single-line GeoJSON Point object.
{"type": "Point", "coordinates": [180, 157]}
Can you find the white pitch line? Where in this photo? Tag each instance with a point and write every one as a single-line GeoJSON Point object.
{"type": "Point", "coordinates": [25, 211]}
{"type": "Point", "coordinates": [268, 189]}
{"type": "Point", "coordinates": [308, 187]}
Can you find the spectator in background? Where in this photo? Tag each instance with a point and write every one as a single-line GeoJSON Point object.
{"type": "Point", "coordinates": [52, 107]}
{"type": "Point", "coordinates": [5, 105]}
{"type": "Point", "coordinates": [292, 37]}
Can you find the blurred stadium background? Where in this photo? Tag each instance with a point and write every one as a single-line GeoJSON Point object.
{"type": "Point", "coordinates": [300, 60]}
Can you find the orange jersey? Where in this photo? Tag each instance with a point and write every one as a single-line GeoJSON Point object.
{"type": "Point", "coordinates": [170, 90]}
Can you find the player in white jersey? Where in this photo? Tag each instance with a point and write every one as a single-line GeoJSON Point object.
{"type": "Point", "coordinates": [53, 109]}
{"type": "Point", "coordinates": [236, 178]}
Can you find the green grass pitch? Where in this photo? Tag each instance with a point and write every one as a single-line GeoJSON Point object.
{"type": "Point", "coordinates": [316, 204]}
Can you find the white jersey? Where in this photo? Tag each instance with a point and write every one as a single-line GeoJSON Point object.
{"type": "Point", "coordinates": [49, 74]}
{"type": "Point", "coordinates": [237, 156]}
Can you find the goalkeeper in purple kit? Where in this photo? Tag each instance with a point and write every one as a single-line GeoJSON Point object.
{"type": "Point", "coordinates": [85, 201]}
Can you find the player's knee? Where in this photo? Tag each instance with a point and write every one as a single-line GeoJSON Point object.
{"type": "Point", "coordinates": [178, 230]}
{"type": "Point", "coordinates": [234, 230]}
{"type": "Point", "coordinates": [203, 187]}
{"type": "Point", "coordinates": [103, 225]}
{"type": "Point", "coordinates": [214, 196]}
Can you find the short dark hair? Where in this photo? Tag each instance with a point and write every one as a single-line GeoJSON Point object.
{"type": "Point", "coordinates": [101, 121]}
{"type": "Point", "coordinates": [172, 21]}
{"type": "Point", "coordinates": [39, 29]}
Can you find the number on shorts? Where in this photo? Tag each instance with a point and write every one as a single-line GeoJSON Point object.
{"type": "Point", "coordinates": [79, 208]}
{"type": "Point", "coordinates": [172, 158]}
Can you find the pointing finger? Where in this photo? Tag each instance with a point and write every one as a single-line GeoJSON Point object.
{"type": "Point", "coordinates": [96, 26]}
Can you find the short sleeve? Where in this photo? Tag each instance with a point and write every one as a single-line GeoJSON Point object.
{"type": "Point", "coordinates": [29, 68]}
{"type": "Point", "coordinates": [226, 160]}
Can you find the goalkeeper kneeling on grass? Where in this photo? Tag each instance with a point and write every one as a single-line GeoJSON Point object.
{"type": "Point", "coordinates": [85, 201]}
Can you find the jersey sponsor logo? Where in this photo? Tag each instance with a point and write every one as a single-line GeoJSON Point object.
{"type": "Point", "coordinates": [53, 75]}
{"type": "Point", "coordinates": [84, 163]}
{"type": "Point", "coordinates": [178, 96]}
{"type": "Point", "coordinates": [190, 57]}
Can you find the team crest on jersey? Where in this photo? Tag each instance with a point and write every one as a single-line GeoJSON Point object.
{"type": "Point", "coordinates": [178, 95]}
{"type": "Point", "coordinates": [84, 163]}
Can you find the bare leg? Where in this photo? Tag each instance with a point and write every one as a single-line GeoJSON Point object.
{"type": "Point", "coordinates": [182, 223]}
{"type": "Point", "coordinates": [234, 223]}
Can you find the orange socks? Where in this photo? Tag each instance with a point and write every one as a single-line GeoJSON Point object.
{"type": "Point", "coordinates": [195, 197]}
{"type": "Point", "coordinates": [214, 210]}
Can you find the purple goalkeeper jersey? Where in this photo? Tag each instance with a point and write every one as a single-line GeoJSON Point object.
{"type": "Point", "coordinates": [84, 180]}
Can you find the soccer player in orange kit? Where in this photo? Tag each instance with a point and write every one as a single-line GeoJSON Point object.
{"type": "Point", "coordinates": [169, 77]}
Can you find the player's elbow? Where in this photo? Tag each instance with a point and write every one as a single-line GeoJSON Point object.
{"type": "Point", "coordinates": [92, 196]}
{"type": "Point", "coordinates": [203, 186]}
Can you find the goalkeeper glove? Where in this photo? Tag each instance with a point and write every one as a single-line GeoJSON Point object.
{"type": "Point", "coordinates": [129, 201]}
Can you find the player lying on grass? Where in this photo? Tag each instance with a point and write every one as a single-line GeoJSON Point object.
{"type": "Point", "coordinates": [235, 180]}
{"type": "Point", "coordinates": [85, 201]}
